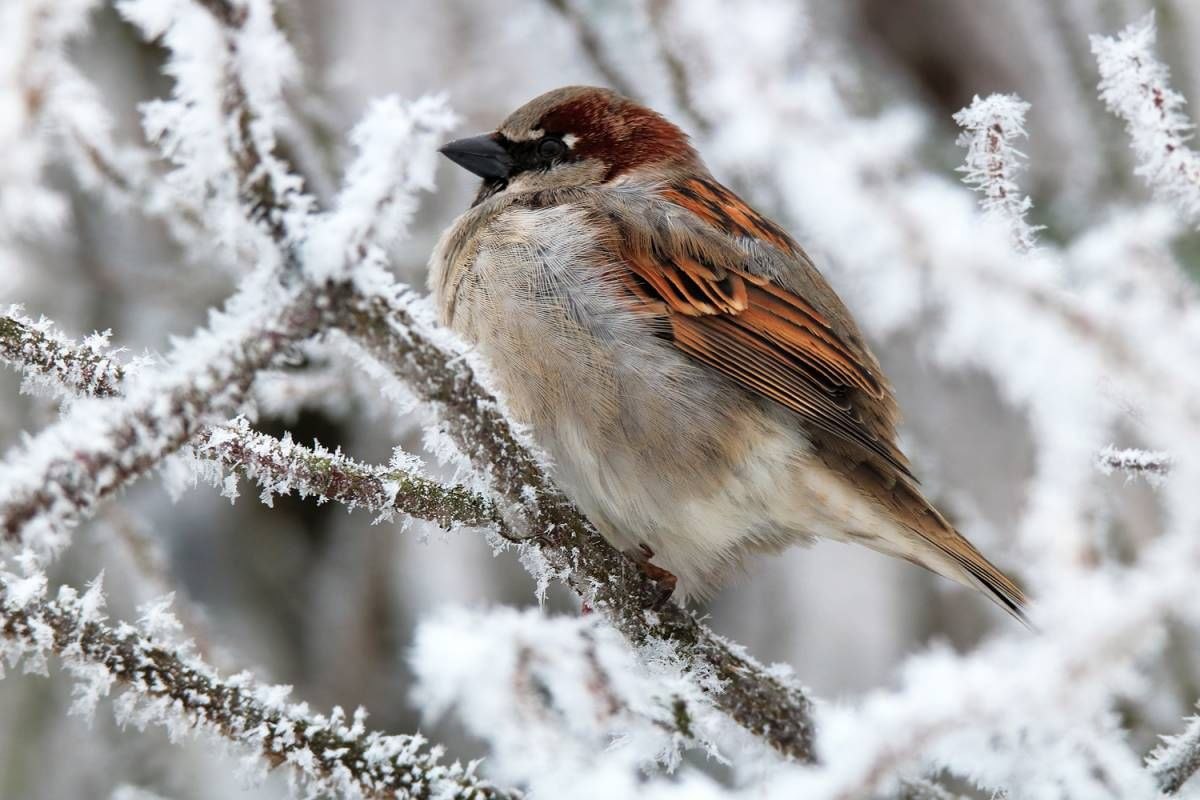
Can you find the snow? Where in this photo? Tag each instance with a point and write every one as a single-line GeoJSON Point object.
{"type": "Point", "coordinates": [159, 688]}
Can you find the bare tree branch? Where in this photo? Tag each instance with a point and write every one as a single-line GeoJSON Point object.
{"type": "Point", "coordinates": [327, 754]}
{"type": "Point", "coordinates": [100, 446]}
{"type": "Point", "coordinates": [1178, 759]}
{"type": "Point", "coordinates": [278, 466]}
{"type": "Point", "coordinates": [590, 42]}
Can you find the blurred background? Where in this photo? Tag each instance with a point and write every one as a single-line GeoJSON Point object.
{"type": "Point", "coordinates": [323, 599]}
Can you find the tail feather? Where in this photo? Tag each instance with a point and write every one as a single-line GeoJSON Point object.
{"type": "Point", "coordinates": [961, 560]}
{"type": "Point", "coordinates": [927, 538]}
{"type": "Point", "coordinates": [1001, 589]}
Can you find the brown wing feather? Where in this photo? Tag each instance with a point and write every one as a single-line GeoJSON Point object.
{"type": "Point", "coordinates": [770, 340]}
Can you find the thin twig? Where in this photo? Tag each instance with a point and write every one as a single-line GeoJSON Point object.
{"type": "Point", "coordinates": [278, 466]}
{"type": "Point", "coordinates": [327, 754]}
{"type": "Point", "coordinates": [52, 480]}
{"type": "Point", "coordinates": [590, 42]}
{"type": "Point", "coordinates": [1178, 759]}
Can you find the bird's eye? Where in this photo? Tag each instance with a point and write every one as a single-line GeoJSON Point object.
{"type": "Point", "coordinates": [551, 147]}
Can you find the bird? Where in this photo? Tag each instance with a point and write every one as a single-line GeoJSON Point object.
{"type": "Point", "coordinates": [702, 393]}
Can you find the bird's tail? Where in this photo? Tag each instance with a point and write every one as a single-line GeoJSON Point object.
{"type": "Point", "coordinates": [950, 554]}
{"type": "Point", "coordinates": [982, 574]}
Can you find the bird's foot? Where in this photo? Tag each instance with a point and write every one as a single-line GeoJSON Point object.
{"type": "Point", "coordinates": [664, 580]}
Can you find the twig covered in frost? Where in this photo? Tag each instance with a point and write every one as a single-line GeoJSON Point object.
{"type": "Point", "coordinates": [1136, 87]}
{"type": "Point", "coordinates": [590, 42]}
{"type": "Point", "coordinates": [164, 686]}
{"type": "Point", "coordinates": [43, 355]}
{"type": "Point", "coordinates": [1149, 464]}
{"type": "Point", "coordinates": [282, 466]}
{"type": "Point", "coordinates": [990, 125]}
{"type": "Point", "coordinates": [1177, 759]}
{"type": "Point", "coordinates": [33, 40]}
{"type": "Point", "coordinates": [397, 152]}
{"type": "Point", "coordinates": [101, 445]}
{"type": "Point", "coordinates": [925, 790]}
{"type": "Point", "coordinates": [400, 333]}
{"type": "Point", "coordinates": [278, 466]}
{"type": "Point", "coordinates": [230, 64]}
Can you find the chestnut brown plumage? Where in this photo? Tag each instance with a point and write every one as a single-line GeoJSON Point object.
{"type": "Point", "coordinates": [702, 390]}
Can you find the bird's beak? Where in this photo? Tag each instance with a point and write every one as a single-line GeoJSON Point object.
{"type": "Point", "coordinates": [483, 155]}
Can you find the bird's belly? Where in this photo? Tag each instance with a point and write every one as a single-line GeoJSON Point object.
{"type": "Point", "coordinates": [699, 519]}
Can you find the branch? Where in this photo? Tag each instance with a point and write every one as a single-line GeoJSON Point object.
{"type": "Point", "coordinates": [922, 789]}
{"type": "Point", "coordinates": [993, 163]}
{"type": "Point", "coordinates": [1135, 86]}
{"type": "Point", "coordinates": [51, 480]}
{"type": "Point", "coordinates": [278, 466]}
{"type": "Point", "coordinates": [592, 48]}
{"type": "Point", "coordinates": [169, 689]}
{"type": "Point", "coordinates": [219, 126]}
{"type": "Point", "coordinates": [398, 333]}
{"type": "Point", "coordinates": [514, 676]}
{"type": "Point", "coordinates": [44, 355]}
{"type": "Point", "coordinates": [1152, 465]}
{"type": "Point", "coordinates": [1177, 759]}
{"type": "Point", "coordinates": [282, 466]}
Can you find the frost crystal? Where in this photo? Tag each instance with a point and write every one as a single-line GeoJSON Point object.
{"type": "Point", "coordinates": [1136, 87]}
{"type": "Point", "coordinates": [993, 163]}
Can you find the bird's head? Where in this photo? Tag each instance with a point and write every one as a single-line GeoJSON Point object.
{"type": "Point", "coordinates": [573, 137]}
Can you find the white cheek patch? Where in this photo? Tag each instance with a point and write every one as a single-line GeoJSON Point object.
{"type": "Point", "coordinates": [569, 140]}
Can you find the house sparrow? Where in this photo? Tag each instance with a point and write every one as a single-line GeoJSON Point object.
{"type": "Point", "coordinates": [702, 391]}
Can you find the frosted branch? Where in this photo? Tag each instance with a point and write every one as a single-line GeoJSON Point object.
{"type": "Point", "coordinates": [400, 333]}
{"type": "Point", "coordinates": [397, 151]}
{"type": "Point", "coordinates": [282, 466]}
{"type": "Point", "coordinates": [1177, 759]}
{"type": "Point", "coordinates": [33, 40]}
{"type": "Point", "coordinates": [230, 64]}
{"type": "Point", "coordinates": [585, 32]}
{"type": "Point", "coordinates": [164, 686]}
{"type": "Point", "coordinates": [278, 466]}
{"type": "Point", "coordinates": [1136, 87]}
{"type": "Point", "coordinates": [993, 163]}
{"type": "Point", "coordinates": [558, 694]}
{"type": "Point", "coordinates": [45, 356]}
{"type": "Point", "coordinates": [1149, 464]}
{"type": "Point", "coordinates": [925, 790]}
{"type": "Point", "coordinates": [49, 481]}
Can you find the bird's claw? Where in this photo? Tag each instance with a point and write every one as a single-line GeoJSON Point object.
{"type": "Point", "coordinates": [664, 580]}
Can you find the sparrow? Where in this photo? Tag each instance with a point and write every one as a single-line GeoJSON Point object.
{"type": "Point", "coordinates": [702, 392]}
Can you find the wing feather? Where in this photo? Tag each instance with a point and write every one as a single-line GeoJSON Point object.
{"type": "Point", "coordinates": [766, 338]}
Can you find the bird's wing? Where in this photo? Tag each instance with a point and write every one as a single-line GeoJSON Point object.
{"type": "Point", "coordinates": [704, 262]}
